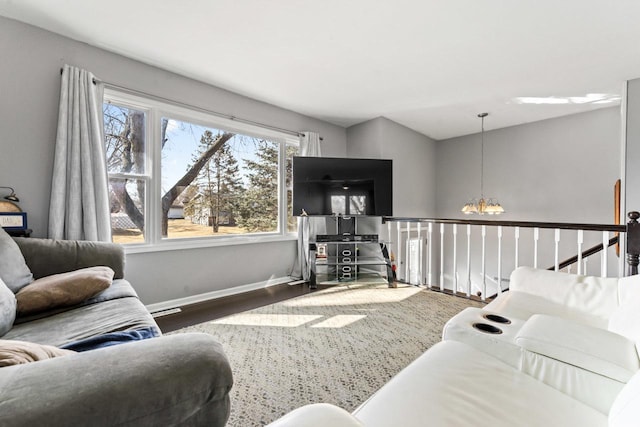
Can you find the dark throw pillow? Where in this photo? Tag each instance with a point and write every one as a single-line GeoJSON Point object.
{"type": "Point", "coordinates": [63, 290]}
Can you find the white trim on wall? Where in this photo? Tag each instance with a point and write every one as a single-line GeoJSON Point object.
{"type": "Point", "coordinates": [208, 296]}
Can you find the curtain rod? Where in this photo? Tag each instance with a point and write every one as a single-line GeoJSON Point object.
{"type": "Point", "coordinates": [204, 110]}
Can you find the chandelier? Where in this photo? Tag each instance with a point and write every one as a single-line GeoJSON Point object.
{"type": "Point", "coordinates": [482, 206]}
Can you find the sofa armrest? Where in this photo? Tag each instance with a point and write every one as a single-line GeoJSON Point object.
{"type": "Point", "coordinates": [170, 380]}
{"type": "Point", "coordinates": [593, 349]}
{"type": "Point", "coordinates": [46, 256]}
{"type": "Point", "coordinates": [317, 415]}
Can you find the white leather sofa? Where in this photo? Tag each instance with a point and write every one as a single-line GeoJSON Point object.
{"type": "Point", "coordinates": [569, 356]}
{"type": "Point", "coordinates": [578, 334]}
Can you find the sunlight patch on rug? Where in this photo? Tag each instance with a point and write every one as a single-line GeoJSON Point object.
{"type": "Point", "coordinates": [339, 321]}
{"type": "Point", "coordinates": [259, 319]}
{"type": "Point", "coordinates": [366, 294]}
{"type": "Point", "coordinates": [336, 345]}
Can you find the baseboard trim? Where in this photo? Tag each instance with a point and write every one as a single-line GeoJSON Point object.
{"type": "Point", "coordinates": [207, 296]}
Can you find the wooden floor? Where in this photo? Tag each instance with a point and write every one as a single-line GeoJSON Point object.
{"type": "Point", "coordinates": [220, 307]}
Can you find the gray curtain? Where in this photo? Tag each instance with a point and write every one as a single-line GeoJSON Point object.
{"type": "Point", "coordinates": [79, 207]}
{"type": "Point", "coordinates": [307, 227]}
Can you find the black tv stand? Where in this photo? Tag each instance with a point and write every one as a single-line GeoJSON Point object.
{"type": "Point", "coordinates": [340, 254]}
{"type": "Point", "coordinates": [366, 238]}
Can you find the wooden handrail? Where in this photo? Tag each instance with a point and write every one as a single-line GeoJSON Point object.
{"type": "Point", "coordinates": [586, 253]}
{"type": "Point", "coordinates": [525, 224]}
{"type": "Point", "coordinates": [631, 230]}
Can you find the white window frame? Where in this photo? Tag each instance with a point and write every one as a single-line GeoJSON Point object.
{"type": "Point", "coordinates": [155, 110]}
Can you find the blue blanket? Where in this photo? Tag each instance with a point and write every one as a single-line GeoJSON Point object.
{"type": "Point", "coordinates": [110, 339]}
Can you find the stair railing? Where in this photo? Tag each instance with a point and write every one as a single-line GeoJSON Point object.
{"type": "Point", "coordinates": [433, 252]}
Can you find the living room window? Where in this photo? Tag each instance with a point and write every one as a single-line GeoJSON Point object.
{"type": "Point", "coordinates": [185, 176]}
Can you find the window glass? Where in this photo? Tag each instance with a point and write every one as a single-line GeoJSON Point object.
{"type": "Point", "coordinates": [125, 139]}
{"type": "Point", "coordinates": [358, 205]}
{"type": "Point", "coordinates": [216, 182]}
{"type": "Point", "coordinates": [292, 223]}
{"type": "Point", "coordinates": [184, 175]}
{"type": "Point", "coordinates": [338, 205]}
{"type": "Point", "coordinates": [127, 210]}
{"type": "Point", "coordinates": [125, 144]}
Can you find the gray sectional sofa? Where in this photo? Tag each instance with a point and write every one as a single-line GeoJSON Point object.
{"type": "Point", "coordinates": [182, 379]}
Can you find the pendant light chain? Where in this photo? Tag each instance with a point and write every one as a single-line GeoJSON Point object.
{"type": "Point", "coordinates": [482, 206]}
{"type": "Point", "coordinates": [482, 116]}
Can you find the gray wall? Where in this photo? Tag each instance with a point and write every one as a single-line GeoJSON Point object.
{"type": "Point", "coordinates": [414, 162]}
{"type": "Point", "coordinates": [561, 169]}
{"type": "Point", "coordinates": [557, 170]}
{"type": "Point", "coordinates": [30, 85]}
{"type": "Point", "coordinates": [632, 182]}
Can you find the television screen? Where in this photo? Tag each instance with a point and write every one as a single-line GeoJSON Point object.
{"type": "Point", "coordinates": [342, 186]}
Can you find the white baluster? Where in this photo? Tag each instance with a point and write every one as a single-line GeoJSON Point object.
{"type": "Point", "coordinates": [468, 260]}
{"type": "Point", "coordinates": [390, 250]}
{"type": "Point", "coordinates": [580, 243]}
{"type": "Point", "coordinates": [407, 256]}
{"type": "Point", "coordinates": [429, 255]}
{"type": "Point", "coordinates": [605, 249]}
{"type": "Point", "coordinates": [536, 237]}
{"type": "Point", "coordinates": [420, 278]}
{"type": "Point", "coordinates": [516, 234]}
{"type": "Point", "coordinates": [585, 266]}
{"type": "Point", "coordinates": [484, 258]}
{"type": "Point", "coordinates": [455, 259]}
{"type": "Point", "coordinates": [442, 257]}
{"type": "Point", "coordinates": [621, 258]}
{"type": "Point", "coordinates": [398, 251]}
{"type": "Point", "coordinates": [557, 247]}
{"type": "Point", "coordinates": [499, 259]}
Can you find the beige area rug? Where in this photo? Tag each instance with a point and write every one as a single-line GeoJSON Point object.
{"type": "Point", "coordinates": [337, 345]}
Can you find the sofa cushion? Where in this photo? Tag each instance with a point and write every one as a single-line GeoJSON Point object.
{"type": "Point", "coordinates": [625, 410]}
{"type": "Point", "coordinates": [48, 256]}
{"type": "Point", "coordinates": [453, 384]}
{"type": "Point", "coordinates": [595, 296]}
{"type": "Point", "coordinates": [521, 305]}
{"type": "Point", "coordinates": [597, 350]}
{"type": "Point", "coordinates": [13, 269]}
{"type": "Point", "coordinates": [7, 308]}
{"type": "Point", "coordinates": [65, 289]}
{"type": "Point", "coordinates": [122, 314]}
{"type": "Point", "coordinates": [19, 352]}
{"type": "Point", "coordinates": [625, 320]}
{"type": "Point", "coordinates": [317, 415]}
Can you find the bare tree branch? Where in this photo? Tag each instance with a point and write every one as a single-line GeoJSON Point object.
{"type": "Point", "coordinates": [172, 194]}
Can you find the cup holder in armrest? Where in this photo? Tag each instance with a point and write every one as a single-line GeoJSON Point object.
{"type": "Point", "coordinates": [497, 319]}
{"type": "Point", "coordinates": [489, 329]}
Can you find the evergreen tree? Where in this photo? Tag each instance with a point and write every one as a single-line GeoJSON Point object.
{"type": "Point", "coordinates": [292, 222]}
{"type": "Point", "coordinates": [218, 182]}
{"type": "Point", "coordinates": [125, 150]}
{"type": "Point", "coordinates": [259, 210]}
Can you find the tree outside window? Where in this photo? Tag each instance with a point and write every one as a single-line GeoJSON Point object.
{"type": "Point", "coordinates": [214, 182]}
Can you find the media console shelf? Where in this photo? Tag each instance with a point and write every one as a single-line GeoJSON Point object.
{"type": "Point", "coordinates": [347, 256]}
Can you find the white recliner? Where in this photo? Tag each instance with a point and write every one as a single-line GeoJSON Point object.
{"type": "Point", "coordinates": [453, 384]}
{"type": "Point", "coordinates": [567, 356]}
{"type": "Point", "coordinates": [569, 331]}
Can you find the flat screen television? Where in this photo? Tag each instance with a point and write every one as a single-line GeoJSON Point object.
{"type": "Point", "coordinates": [342, 186]}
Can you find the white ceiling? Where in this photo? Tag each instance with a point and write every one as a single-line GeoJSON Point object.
{"type": "Point", "coordinates": [431, 65]}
